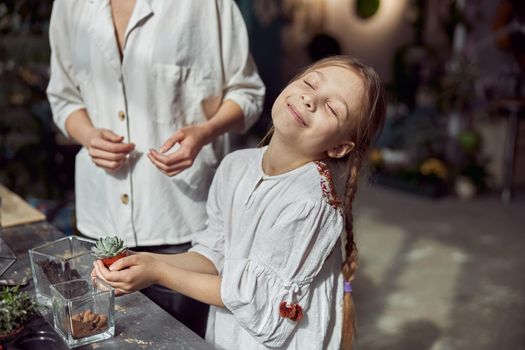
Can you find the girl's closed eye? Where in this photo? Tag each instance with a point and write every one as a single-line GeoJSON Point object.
{"type": "Point", "coordinates": [332, 110]}
{"type": "Point", "coordinates": [309, 84]}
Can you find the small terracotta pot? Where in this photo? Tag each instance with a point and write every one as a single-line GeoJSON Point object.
{"type": "Point", "coordinates": [108, 261]}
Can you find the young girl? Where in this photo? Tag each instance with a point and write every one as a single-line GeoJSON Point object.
{"type": "Point", "coordinates": [270, 259]}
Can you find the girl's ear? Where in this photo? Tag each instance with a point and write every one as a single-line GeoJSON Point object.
{"type": "Point", "coordinates": [341, 150]}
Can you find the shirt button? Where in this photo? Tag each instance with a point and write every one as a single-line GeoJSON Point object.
{"type": "Point", "coordinates": [124, 199]}
{"type": "Point", "coordinates": [121, 115]}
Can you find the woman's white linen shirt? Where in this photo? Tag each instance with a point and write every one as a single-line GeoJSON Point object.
{"type": "Point", "coordinates": [180, 60]}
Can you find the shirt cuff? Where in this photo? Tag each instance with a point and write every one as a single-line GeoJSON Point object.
{"type": "Point", "coordinates": [216, 258]}
{"type": "Point", "coordinates": [253, 294]}
{"type": "Point", "coordinates": [248, 106]}
{"type": "Point", "coordinates": [62, 115]}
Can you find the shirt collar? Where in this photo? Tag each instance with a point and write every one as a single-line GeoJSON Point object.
{"type": "Point", "coordinates": [141, 13]}
{"type": "Point", "coordinates": [101, 28]}
{"type": "Point", "coordinates": [143, 10]}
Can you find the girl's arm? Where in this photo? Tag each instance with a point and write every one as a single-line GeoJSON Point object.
{"type": "Point", "coordinates": [139, 271]}
{"type": "Point", "coordinates": [190, 261]}
{"type": "Point", "coordinates": [203, 287]}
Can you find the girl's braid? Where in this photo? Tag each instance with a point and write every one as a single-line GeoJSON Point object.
{"type": "Point", "coordinates": [351, 261]}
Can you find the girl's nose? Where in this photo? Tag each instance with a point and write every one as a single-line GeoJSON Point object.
{"type": "Point", "coordinates": [308, 101]}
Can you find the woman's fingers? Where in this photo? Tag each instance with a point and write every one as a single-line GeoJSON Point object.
{"type": "Point", "coordinates": [99, 153]}
{"type": "Point", "coordinates": [109, 165]}
{"type": "Point", "coordinates": [170, 170]}
{"type": "Point", "coordinates": [109, 146]}
{"type": "Point", "coordinates": [110, 135]}
{"type": "Point", "coordinates": [158, 163]}
{"type": "Point", "coordinates": [107, 150]}
{"type": "Point", "coordinates": [191, 140]}
{"type": "Point", "coordinates": [182, 154]}
{"type": "Point", "coordinates": [171, 141]}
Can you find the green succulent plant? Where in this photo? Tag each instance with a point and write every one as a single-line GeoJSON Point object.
{"type": "Point", "coordinates": [107, 247]}
{"type": "Point", "coordinates": [15, 308]}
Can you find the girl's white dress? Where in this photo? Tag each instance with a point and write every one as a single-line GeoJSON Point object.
{"type": "Point", "coordinates": [274, 239]}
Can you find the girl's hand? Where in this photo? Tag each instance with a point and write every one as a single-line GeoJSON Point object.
{"type": "Point", "coordinates": [191, 139]}
{"type": "Point", "coordinates": [130, 273]}
{"type": "Point", "coordinates": [106, 149]}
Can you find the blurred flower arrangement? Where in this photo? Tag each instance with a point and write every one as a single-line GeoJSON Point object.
{"type": "Point", "coordinates": [434, 167]}
{"type": "Point", "coordinates": [428, 177]}
{"type": "Point", "coordinates": [419, 166]}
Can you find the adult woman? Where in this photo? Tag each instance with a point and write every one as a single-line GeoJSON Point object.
{"type": "Point", "coordinates": [129, 77]}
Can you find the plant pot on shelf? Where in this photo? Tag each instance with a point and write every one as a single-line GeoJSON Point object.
{"type": "Point", "coordinates": [465, 188]}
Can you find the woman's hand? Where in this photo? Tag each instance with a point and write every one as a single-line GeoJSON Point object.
{"type": "Point", "coordinates": [106, 149]}
{"type": "Point", "coordinates": [130, 273]}
{"type": "Point", "coordinates": [191, 139]}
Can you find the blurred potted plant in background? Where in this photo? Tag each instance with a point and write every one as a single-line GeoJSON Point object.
{"type": "Point", "coordinates": [428, 178]}
{"type": "Point", "coordinates": [409, 153]}
{"type": "Point", "coordinates": [16, 307]}
{"type": "Point", "coordinates": [464, 141]}
{"type": "Point", "coordinates": [471, 174]}
{"type": "Point", "coordinates": [457, 93]}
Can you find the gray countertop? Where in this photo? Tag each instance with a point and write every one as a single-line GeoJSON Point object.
{"type": "Point", "coordinates": [140, 323]}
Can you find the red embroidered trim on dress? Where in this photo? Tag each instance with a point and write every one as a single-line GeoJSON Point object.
{"type": "Point", "coordinates": [327, 184]}
{"type": "Point", "coordinates": [292, 311]}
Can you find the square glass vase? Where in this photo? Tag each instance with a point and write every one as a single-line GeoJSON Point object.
{"type": "Point", "coordinates": [65, 259]}
{"type": "Point", "coordinates": [83, 311]}
{"type": "Point", "coordinates": [7, 257]}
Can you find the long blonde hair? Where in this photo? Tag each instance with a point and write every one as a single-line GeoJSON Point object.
{"type": "Point", "coordinates": [368, 124]}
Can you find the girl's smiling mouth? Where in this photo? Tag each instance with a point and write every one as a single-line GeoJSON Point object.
{"type": "Point", "coordinates": [295, 114]}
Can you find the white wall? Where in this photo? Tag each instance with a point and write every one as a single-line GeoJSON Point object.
{"type": "Point", "coordinates": [374, 40]}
